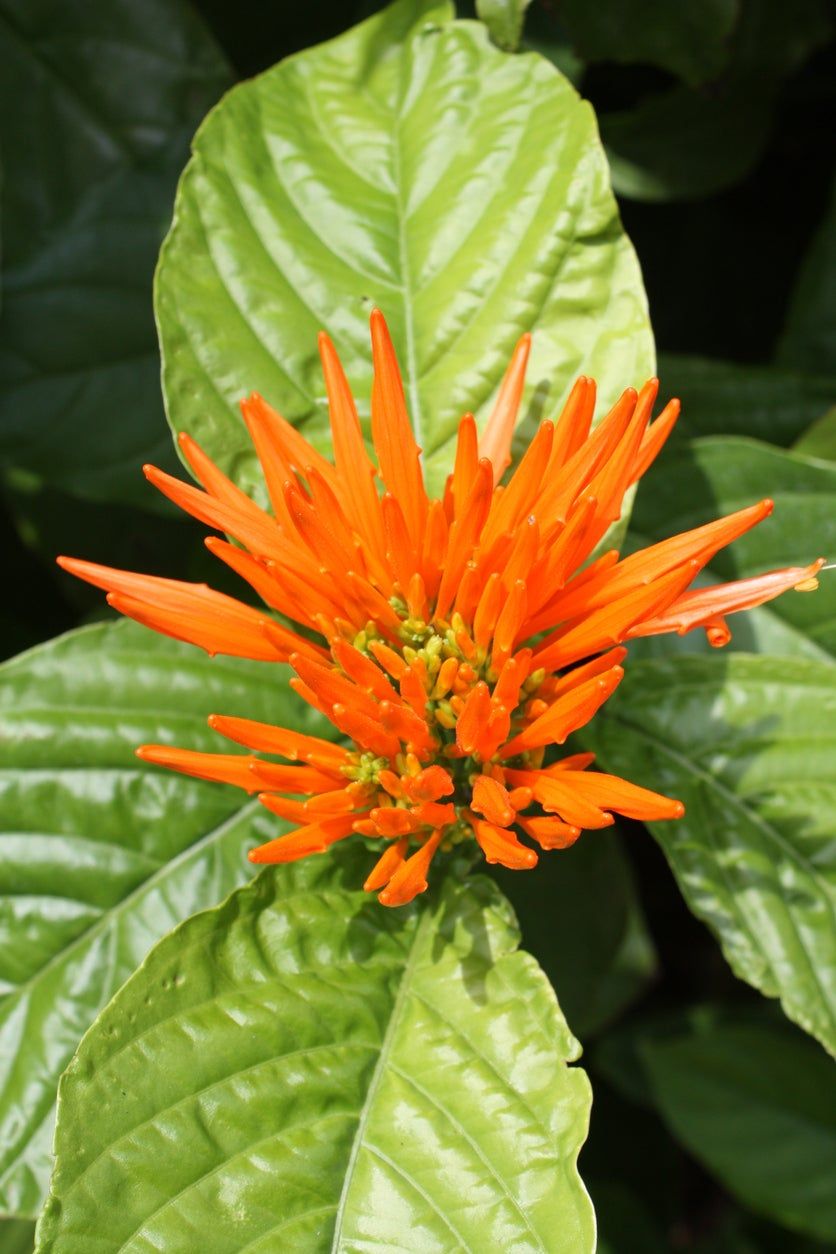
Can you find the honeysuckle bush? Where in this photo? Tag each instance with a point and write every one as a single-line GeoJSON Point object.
{"type": "Point", "coordinates": [281, 1060]}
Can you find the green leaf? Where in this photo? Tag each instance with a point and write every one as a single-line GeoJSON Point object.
{"type": "Point", "coordinates": [17, 1236]}
{"type": "Point", "coordinates": [749, 745]}
{"type": "Point", "coordinates": [100, 855]}
{"type": "Point", "coordinates": [412, 165]}
{"type": "Point", "coordinates": [723, 398]}
{"type": "Point", "coordinates": [504, 20]}
{"type": "Point", "coordinates": [819, 440]}
{"type": "Point", "coordinates": [581, 918]}
{"type": "Point", "coordinates": [97, 104]}
{"type": "Point", "coordinates": [690, 39]}
{"type": "Point", "coordinates": [694, 483]}
{"type": "Point", "coordinates": [810, 334]}
{"type": "Point", "coordinates": [755, 1102]}
{"type": "Point", "coordinates": [301, 1069]}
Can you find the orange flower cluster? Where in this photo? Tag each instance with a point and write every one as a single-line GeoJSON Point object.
{"type": "Point", "coordinates": [451, 641]}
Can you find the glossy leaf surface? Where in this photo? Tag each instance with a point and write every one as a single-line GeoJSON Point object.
{"type": "Point", "coordinates": [755, 1102]}
{"type": "Point", "coordinates": [412, 165]}
{"type": "Point", "coordinates": [302, 1069]}
{"type": "Point", "coordinates": [98, 100]}
{"type": "Point", "coordinates": [749, 745]}
{"type": "Point", "coordinates": [692, 484]}
{"type": "Point", "coordinates": [100, 855]}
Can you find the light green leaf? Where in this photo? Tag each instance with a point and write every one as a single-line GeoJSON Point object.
{"type": "Point", "coordinates": [694, 483]}
{"type": "Point", "coordinates": [100, 855]}
{"type": "Point", "coordinates": [749, 745]}
{"type": "Point", "coordinates": [690, 39]}
{"type": "Point", "coordinates": [504, 19]}
{"type": "Point", "coordinates": [809, 339]}
{"type": "Point", "coordinates": [412, 165]}
{"type": "Point", "coordinates": [755, 1102]}
{"type": "Point", "coordinates": [723, 398]}
{"type": "Point", "coordinates": [301, 1069]}
{"type": "Point", "coordinates": [600, 958]}
{"type": "Point", "coordinates": [97, 104]}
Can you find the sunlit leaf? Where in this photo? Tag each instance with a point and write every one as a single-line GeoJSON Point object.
{"type": "Point", "coordinates": [100, 855]}
{"type": "Point", "coordinates": [504, 19]}
{"type": "Point", "coordinates": [302, 1069]}
{"type": "Point", "coordinates": [412, 165]}
{"type": "Point", "coordinates": [97, 104]}
{"type": "Point", "coordinates": [749, 745]}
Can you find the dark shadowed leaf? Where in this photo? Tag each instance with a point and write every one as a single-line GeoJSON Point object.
{"type": "Point", "coordinates": [581, 918]}
{"type": "Point", "coordinates": [690, 39]}
{"type": "Point", "coordinates": [809, 339]}
{"type": "Point", "coordinates": [98, 100]}
{"type": "Point", "coordinates": [770, 403]}
{"type": "Point", "coordinates": [754, 1100]}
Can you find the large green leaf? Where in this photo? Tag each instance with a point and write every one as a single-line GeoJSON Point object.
{"type": "Point", "coordinates": [301, 1069]}
{"type": "Point", "coordinates": [771, 403]}
{"type": "Point", "coordinates": [582, 920]}
{"type": "Point", "coordinates": [98, 100]}
{"type": "Point", "coordinates": [99, 855]}
{"type": "Point", "coordinates": [693, 483]}
{"type": "Point", "coordinates": [755, 1101]}
{"type": "Point", "coordinates": [749, 745]}
{"type": "Point", "coordinates": [412, 165]}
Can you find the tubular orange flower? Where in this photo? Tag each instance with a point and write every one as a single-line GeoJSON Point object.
{"type": "Point", "coordinates": [455, 640]}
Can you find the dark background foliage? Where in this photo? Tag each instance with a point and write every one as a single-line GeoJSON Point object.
{"type": "Point", "coordinates": [740, 150]}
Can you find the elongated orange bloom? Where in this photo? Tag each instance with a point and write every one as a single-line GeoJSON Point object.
{"type": "Point", "coordinates": [451, 642]}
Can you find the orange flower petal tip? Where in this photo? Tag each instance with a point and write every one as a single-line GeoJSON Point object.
{"type": "Point", "coordinates": [453, 643]}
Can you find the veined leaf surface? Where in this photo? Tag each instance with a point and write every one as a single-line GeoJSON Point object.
{"type": "Point", "coordinates": [300, 1068]}
{"type": "Point", "coordinates": [407, 164]}
{"type": "Point", "coordinates": [100, 855]}
{"type": "Point", "coordinates": [749, 745]}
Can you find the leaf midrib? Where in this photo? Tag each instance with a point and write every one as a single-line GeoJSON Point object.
{"type": "Point", "coordinates": [378, 1074]}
